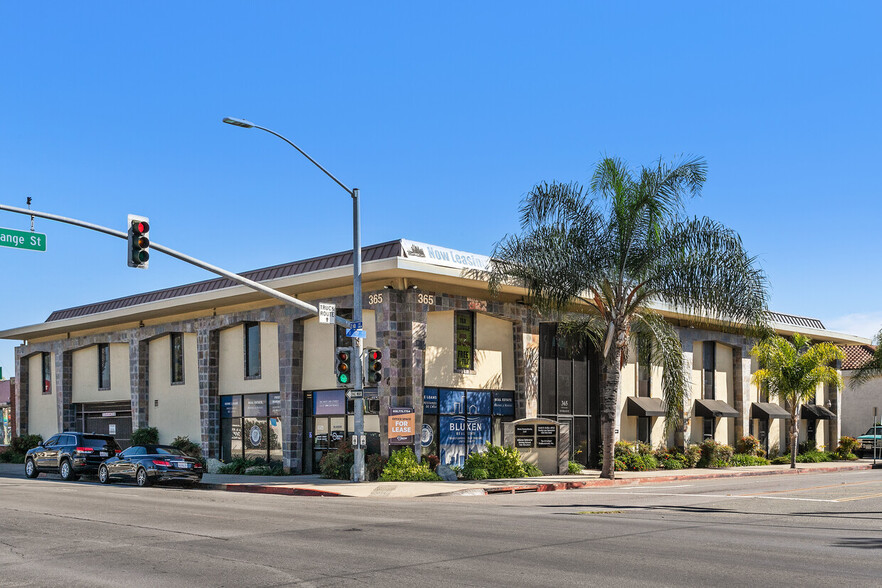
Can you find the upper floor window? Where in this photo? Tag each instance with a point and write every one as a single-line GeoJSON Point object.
{"type": "Point", "coordinates": [708, 363]}
{"type": "Point", "coordinates": [644, 366]}
{"type": "Point", "coordinates": [464, 340]}
{"type": "Point", "coordinates": [177, 358]}
{"type": "Point", "coordinates": [47, 372]}
{"type": "Point", "coordinates": [103, 366]}
{"type": "Point", "coordinates": [252, 350]}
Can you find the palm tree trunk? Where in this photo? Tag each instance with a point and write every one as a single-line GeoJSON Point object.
{"type": "Point", "coordinates": [794, 438]}
{"type": "Point", "coordinates": [609, 400]}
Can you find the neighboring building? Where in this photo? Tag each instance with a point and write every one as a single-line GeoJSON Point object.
{"type": "Point", "coordinates": [6, 387]}
{"type": "Point", "coordinates": [860, 403]}
{"type": "Point", "coordinates": [242, 375]}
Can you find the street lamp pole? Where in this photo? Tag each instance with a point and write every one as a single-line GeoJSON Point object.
{"type": "Point", "coordinates": [358, 343]}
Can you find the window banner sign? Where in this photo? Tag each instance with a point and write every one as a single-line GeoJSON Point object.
{"type": "Point", "coordinates": [477, 433]}
{"type": "Point", "coordinates": [275, 408]}
{"type": "Point", "coordinates": [329, 402]}
{"type": "Point", "coordinates": [503, 403]}
{"type": "Point", "coordinates": [477, 402]}
{"type": "Point", "coordinates": [401, 426]}
{"type": "Point", "coordinates": [430, 401]}
{"type": "Point", "coordinates": [451, 401]}
{"type": "Point", "coordinates": [452, 440]}
{"type": "Point", "coordinates": [231, 406]}
{"type": "Point", "coordinates": [255, 405]}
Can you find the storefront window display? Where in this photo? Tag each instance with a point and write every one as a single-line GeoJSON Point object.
{"type": "Point", "coordinates": [459, 422]}
{"type": "Point", "coordinates": [251, 427]}
{"type": "Point", "coordinates": [330, 420]}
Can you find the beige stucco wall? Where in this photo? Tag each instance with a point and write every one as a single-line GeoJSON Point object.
{"type": "Point", "coordinates": [42, 408]}
{"type": "Point", "coordinates": [858, 403]}
{"type": "Point", "coordinates": [724, 389]}
{"type": "Point", "coordinates": [174, 408]}
{"type": "Point", "coordinates": [318, 350]}
{"type": "Point", "coordinates": [627, 425]}
{"type": "Point", "coordinates": [494, 353]}
{"type": "Point", "coordinates": [85, 375]}
{"type": "Point", "coordinates": [231, 377]}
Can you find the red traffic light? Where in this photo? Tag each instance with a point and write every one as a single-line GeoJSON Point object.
{"type": "Point", "coordinates": [375, 355]}
{"type": "Point", "coordinates": [140, 227]}
{"type": "Point", "coordinates": [343, 356]}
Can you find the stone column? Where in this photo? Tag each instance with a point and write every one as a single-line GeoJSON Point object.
{"type": "Point", "coordinates": [207, 350]}
{"type": "Point", "coordinates": [139, 371]}
{"type": "Point", "coordinates": [64, 388]}
{"type": "Point", "coordinates": [415, 346]}
{"type": "Point", "coordinates": [681, 438]}
{"type": "Point", "coordinates": [395, 341]}
{"type": "Point", "coordinates": [526, 352]}
{"type": "Point", "coordinates": [22, 386]}
{"type": "Point", "coordinates": [290, 379]}
{"type": "Point", "coordinates": [741, 377]}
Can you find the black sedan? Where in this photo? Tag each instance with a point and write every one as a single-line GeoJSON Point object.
{"type": "Point", "coordinates": [146, 464]}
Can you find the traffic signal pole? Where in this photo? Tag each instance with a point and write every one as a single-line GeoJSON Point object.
{"type": "Point", "coordinates": [358, 343]}
{"type": "Point", "coordinates": [178, 255]}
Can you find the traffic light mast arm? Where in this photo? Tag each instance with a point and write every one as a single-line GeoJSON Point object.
{"type": "Point", "coordinates": [178, 255]}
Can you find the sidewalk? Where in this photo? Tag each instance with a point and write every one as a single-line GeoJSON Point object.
{"type": "Point", "coordinates": [316, 486]}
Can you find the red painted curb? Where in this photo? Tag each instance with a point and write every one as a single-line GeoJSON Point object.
{"type": "Point", "coordinates": [258, 489]}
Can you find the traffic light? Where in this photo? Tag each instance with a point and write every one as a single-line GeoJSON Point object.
{"type": "Point", "coordinates": [139, 241]}
{"type": "Point", "coordinates": [343, 367]}
{"type": "Point", "coordinates": [373, 366]}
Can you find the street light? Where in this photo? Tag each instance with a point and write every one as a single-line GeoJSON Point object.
{"type": "Point", "coordinates": [358, 344]}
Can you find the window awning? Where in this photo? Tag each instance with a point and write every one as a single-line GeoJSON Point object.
{"type": "Point", "coordinates": [645, 407]}
{"type": "Point", "coordinates": [714, 409]}
{"type": "Point", "coordinates": [814, 412]}
{"type": "Point", "coordinates": [768, 411]}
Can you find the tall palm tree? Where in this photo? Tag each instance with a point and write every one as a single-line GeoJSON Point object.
{"type": "Point", "coordinates": [872, 368]}
{"type": "Point", "coordinates": [792, 372]}
{"type": "Point", "coordinates": [614, 253]}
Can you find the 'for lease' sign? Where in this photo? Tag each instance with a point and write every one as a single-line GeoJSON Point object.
{"type": "Point", "coordinates": [401, 426]}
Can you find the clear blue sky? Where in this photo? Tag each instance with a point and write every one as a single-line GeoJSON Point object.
{"type": "Point", "coordinates": [444, 115]}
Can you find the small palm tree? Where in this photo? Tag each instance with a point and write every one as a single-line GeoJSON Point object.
{"type": "Point", "coordinates": [792, 371]}
{"type": "Point", "coordinates": [615, 257]}
{"type": "Point", "coordinates": [872, 368]}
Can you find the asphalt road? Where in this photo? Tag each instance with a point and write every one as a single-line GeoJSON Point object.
{"type": "Point", "coordinates": [811, 530]}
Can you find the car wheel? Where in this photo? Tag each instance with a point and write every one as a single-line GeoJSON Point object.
{"type": "Point", "coordinates": [103, 475]}
{"type": "Point", "coordinates": [67, 473]}
{"type": "Point", "coordinates": [142, 478]}
{"type": "Point", "coordinates": [31, 469]}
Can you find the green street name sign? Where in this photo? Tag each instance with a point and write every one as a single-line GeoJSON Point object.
{"type": "Point", "coordinates": [22, 239]}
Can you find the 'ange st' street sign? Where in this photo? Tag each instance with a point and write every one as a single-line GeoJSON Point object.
{"type": "Point", "coordinates": [22, 239]}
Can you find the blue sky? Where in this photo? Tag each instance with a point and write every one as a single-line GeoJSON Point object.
{"type": "Point", "coordinates": [444, 115]}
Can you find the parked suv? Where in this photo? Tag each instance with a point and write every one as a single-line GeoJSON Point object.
{"type": "Point", "coordinates": [70, 454]}
{"type": "Point", "coordinates": [873, 435]}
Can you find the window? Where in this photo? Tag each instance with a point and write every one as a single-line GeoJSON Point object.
{"type": "Point", "coordinates": [644, 366]}
{"type": "Point", "coordinates": [103, 366]}
{"type": "Point", "coordinates": [251, 426]}
{"type": "Point", "coordinates": [643, 429]}
{"type": "Point", "coordinates": [47, 373]}
{"type": "Point", "coordinates": [709, 426]}
{"type": "Point", "coordinates": [464, 340]}
{"type": "Point", "coordinates": [177, 358]}
{"type": "Point", "coordinates": [709, 360]}
{"type": "Point", "coordinates": [252, 350]}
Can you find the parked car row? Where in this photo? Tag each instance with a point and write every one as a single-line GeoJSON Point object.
{"type": "Point", "coordinates": [74, 454]}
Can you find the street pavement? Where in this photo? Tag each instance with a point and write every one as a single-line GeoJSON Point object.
{"type": "Point", "coordinates": [820, 529]}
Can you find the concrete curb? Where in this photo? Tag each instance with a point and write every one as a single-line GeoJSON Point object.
{"type": "Point", "coordinates": [261, 489]}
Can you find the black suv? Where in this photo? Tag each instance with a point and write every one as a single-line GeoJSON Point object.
{"type": "Point", "coordinates": [70, 454]}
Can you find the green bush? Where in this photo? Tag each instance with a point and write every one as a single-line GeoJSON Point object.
{"type": "Point", "coordinates": [145, 436]}
{"type": "Point", "coordinates": [715, 455]}
{"type": "Point", "coordinates": [619, 465]}
{"type": "Point", "coordinates": [744, 459]}
{"type": "Point", "coordinates": [495, 462]}
{"type": "Point", "coordinates": [749, 445]}
{"type": "Point", "coordinates": [781, 460]}
{"type": "Point", "coordinates": [24, 443]}
{"type": "Point", "coordinates": [807, 446]}
{"type": "Point", "coordinates": [574, 467]}
{"type": "Point", "coordinates": [403, 466]}
{"type": "Point", "coordinates": [238, 466]}
{"type": "Point", "coordinates": [846, 448]}
{"type": "Point", "coordinates": [623, 448]}
{"type": "Point", "coordinates": [531, 470]}
{"type": "Point", "coordinates": [692, 455]}
{"type": "Point", "coordinates": [374, 464]}
{"type": "Point", "coordinates": [814, 457]}
{"type": "Point", "coordinates": [671, 459]}
{"type": "Point", "coordinates": [337, 464]}
{"type": "Point", "coordinates": [190, 448]}
{"type": "Point", "coordinates": [10, 456]}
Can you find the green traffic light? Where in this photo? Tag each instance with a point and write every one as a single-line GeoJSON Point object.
{"type": "Point", "coordinates": [343, 378]}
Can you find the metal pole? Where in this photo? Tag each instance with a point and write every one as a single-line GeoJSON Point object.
{"type": "Point", "coordinates": [358, 470]}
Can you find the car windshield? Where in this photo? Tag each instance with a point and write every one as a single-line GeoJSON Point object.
{"type": "Point", "coordinates": [164, 450]}
{"type": "Point", "coordinates": [874, 431]}
{"type": "Point", "coordinates": [99, 442]}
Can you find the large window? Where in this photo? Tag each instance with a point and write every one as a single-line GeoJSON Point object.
{"type": "Point", "coordinates": [643, 429]}
{"type": "Point", "coordinates": [177, 358]}
{"type": "Point", "coordinates": [644, 366]}
{"type": "Point", "coordinates": [252, 350]}
{"type": "Point", "coordinates": [47, 373]}
{"type": "Point", "coordinates": [464, 340]}
{"type": "Point", "coordinates": [708, 363]}
{"type": "Point", "coordinates": [251, 427]}
{"type": "Point", "coordinates": [104, 366]}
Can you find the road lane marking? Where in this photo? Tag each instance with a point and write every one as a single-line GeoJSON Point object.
{"type": "Point", "coordinates": [659, 487]}
{"type": "Point", "coordinates": [714, 496]}
{"type": "Point", "coordinates": [813, 488]}
{"type": "Point", "coordinates": [865, 496]}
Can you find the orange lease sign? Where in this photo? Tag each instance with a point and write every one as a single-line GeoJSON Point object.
{"type": "Point", "coordinates": [401, 425]}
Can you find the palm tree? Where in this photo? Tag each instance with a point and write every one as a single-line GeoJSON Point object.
{"type": "Point", "coordinates": [618, 250]}
{"type": "Point", "coordinates": [872, 368]}
{"type": "Point", "coordinates": [792, 371]}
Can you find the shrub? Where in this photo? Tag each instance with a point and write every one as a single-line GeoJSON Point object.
{"type": "Point", "coordinates": [403, 466]}
{"type": "Point", "coordinates": [781, 460]}
{"type": "Point", "coordinates": [635, 462]}
{"type": "Point", "coordinates": [239, 466]}
{"type": "Point", "coordinates": [574, 467]}
{"type": "Point", "coordinates": [532, 470]}
{"type": "Point", "coordinates": [807, 446]}
{"type": "Point", "coordinates": [337, 464]}
{"type": "Point", "coordinates": [846, 448]}
{"type": "Point", "coordinates": [23, 443]}
{"type": "Point", "coordinates": [715, 455]}
{"type": "Point", "coordinates": [692, 455]}
{"type": "Point", "coordinates": [623, 448]}
{"type": "Point", "coordinates": [190, 448]}
{"type": "Point", "coordinates": [749, 445]}
{"type": "Point", "coordinates": [496, 462]}
{"type": "Point", "coordinates": [433, 460]}
{"type": "Point", "coordinates": [619, 465]}
{"type": "Point", "coordinates": [744, 459]}
{"type": "Point", "coordinates": [374, 464]}
{"type": "Point", "coordinates": [671, 459]}
{"type": "Point", "coordinates": [643, 448]}
{"type": "Point", "coordinates": [813, 457]}
{"type": "Point", "coordinates": [145, 436]}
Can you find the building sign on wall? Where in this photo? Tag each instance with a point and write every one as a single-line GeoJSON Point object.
{"type": "Point", "coordinates": [329, 402]}
{"type": "Point", "coordinates": [444, 256]}
{"type": "Point", "coordinates": [503, 403]}
{"type": "Point", "coordinates": [401, 426]}
{"type": "Point", "coordinates": [460, 436]}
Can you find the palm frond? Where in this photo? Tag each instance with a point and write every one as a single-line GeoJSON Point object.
{"type": "Point", "coordinates": [667, 351]}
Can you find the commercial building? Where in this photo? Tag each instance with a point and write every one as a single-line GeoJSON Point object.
{"type": "Point", "coordinates": [245, 376]}
{"type": "Point", "coordinates": [862, 404]}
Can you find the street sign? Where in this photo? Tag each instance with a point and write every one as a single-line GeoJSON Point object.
{"type": "Point", "coordinates": [327, 312]}
{"type": "Point", "coordinates": [355, 325]}
{"type": "Point", "coordinates": [22, 239]}
{"type": "Point", "coordinates": [350, 394]}
{"type": "Point", "coordinates": [356, 333]}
